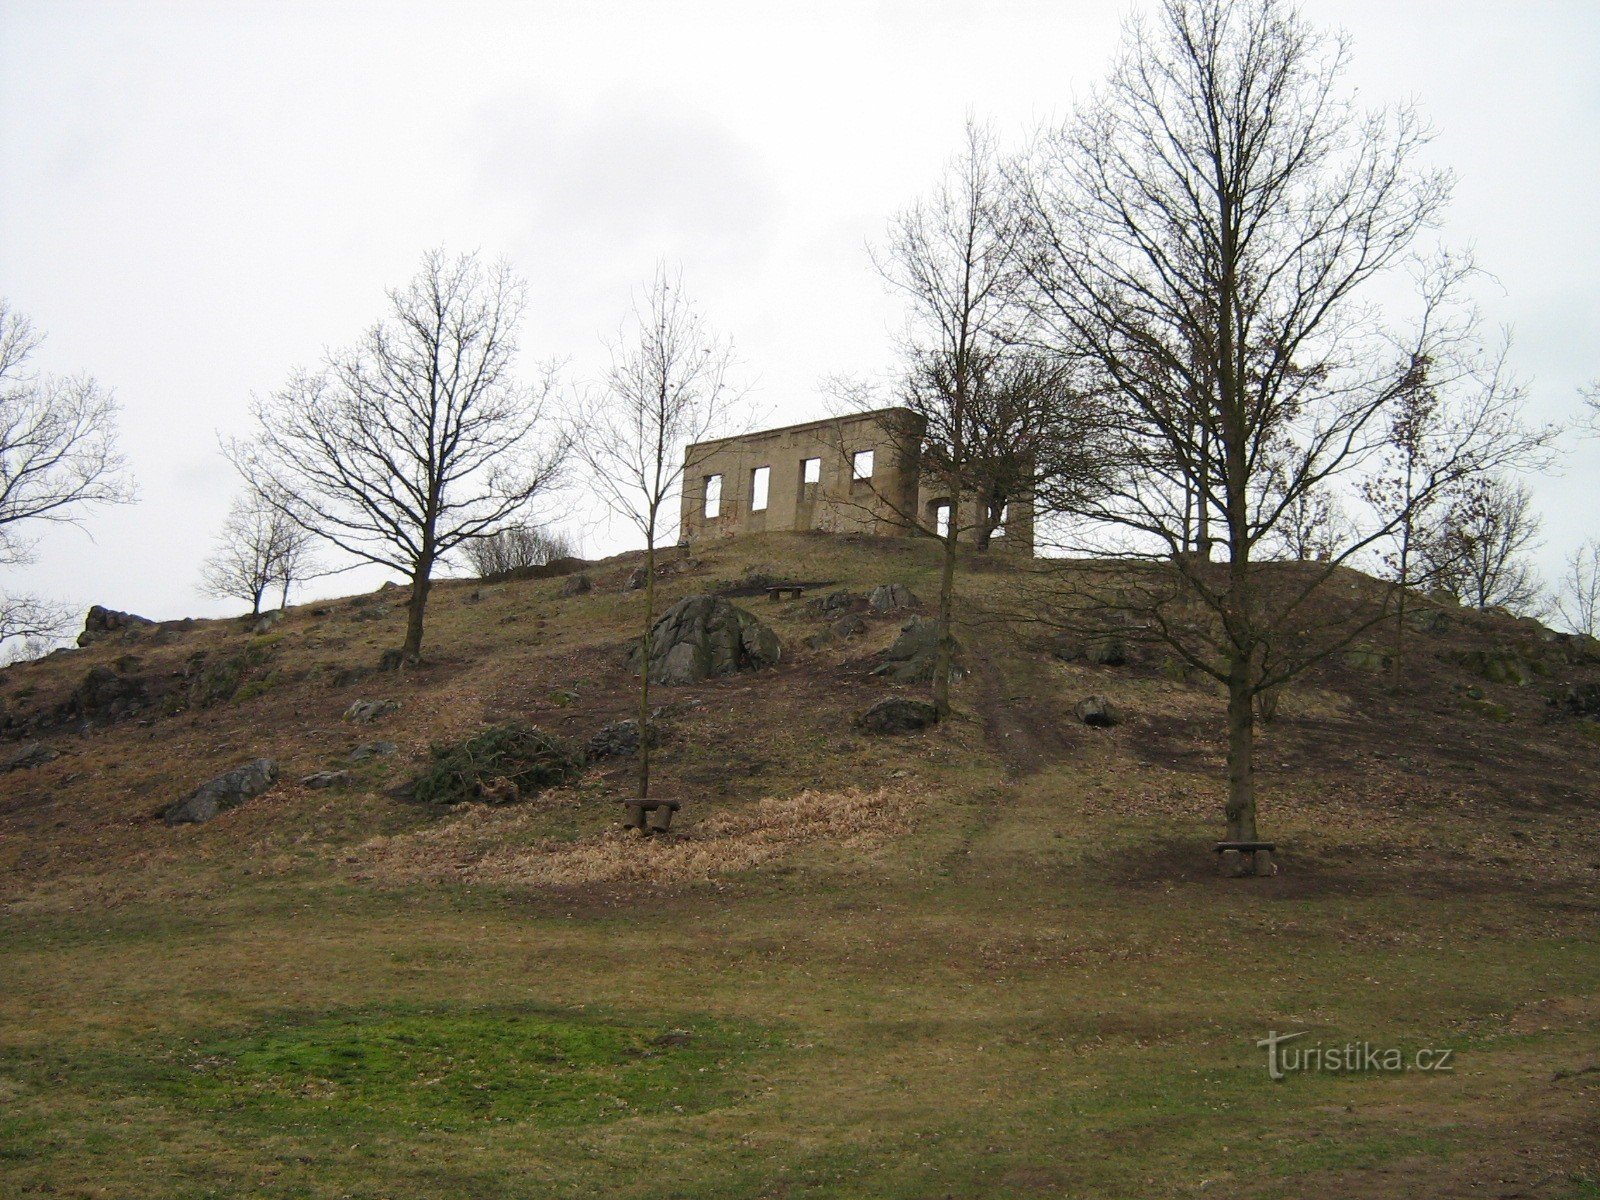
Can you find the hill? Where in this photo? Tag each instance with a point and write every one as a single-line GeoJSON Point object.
{"type": "Point", "coordinates": [993, 958]}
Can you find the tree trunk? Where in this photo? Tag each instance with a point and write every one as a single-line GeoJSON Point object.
{"type": "Point", "coordinates": [421, 582]}
{"type": "Point", "coordinates": [947, 577]}
{"type": "Point", "coordinates": [283, 601]}
{"type": "Point", "coordinates": [644, 660]}
{"type": "Point", "coordinates": [1241, 806]}
{"type": "Point", "coordinates": [255, 603]}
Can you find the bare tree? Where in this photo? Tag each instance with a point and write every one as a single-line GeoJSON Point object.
{"type": "Point", "coordinates": [1477, 549]}
{"type": "Point", "coordinates": [417, 439]}
{"type": "Point", "coordinates": [668, 388]}
{"type": "Point", "coordinates": [952, 255]}
{"type": "Point", "coordinates": [1577, 594]}
{"type": "Point", "coordinates": [58, 456]}
{"type": "Point", "coordinates": [259, 548]}
{"type": "Point", "coordinates": [1205, 242]}
{"type": "Point", "coordinates": [517, 547]}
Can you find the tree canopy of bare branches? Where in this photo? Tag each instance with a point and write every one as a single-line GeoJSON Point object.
{"type": "Point", "coordinates": [669, 387]}
{"type": "Point", "coordinates": [1206, 241]}
{"type": "Point", "coordinates": [1001, 423]}
{"type": "Point", "coordinates": [259, 548]}
{"type": "Point", "coordinates": [58, 456]}
{"type": "Point", "coordinates": [515, 548]}
{"type": "Point", "coordinates": [1577, 593]}
{"type": "Point", "coordinates": [418, 438]}
{"type": "Point", "coordinates": [1477, 549]}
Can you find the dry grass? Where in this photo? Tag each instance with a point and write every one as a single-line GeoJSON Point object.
{"type": "Point", "coordinates": [488, 845]}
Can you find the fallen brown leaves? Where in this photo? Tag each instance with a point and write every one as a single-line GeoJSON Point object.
{"type": "Point", "coordinates": [481, 844]}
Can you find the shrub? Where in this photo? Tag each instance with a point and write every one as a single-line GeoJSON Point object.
{"type": "Point", "coordinates": [526, 758]}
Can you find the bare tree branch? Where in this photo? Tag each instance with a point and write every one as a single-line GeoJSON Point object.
{"type": "Point", "coordinates": [417, 439]}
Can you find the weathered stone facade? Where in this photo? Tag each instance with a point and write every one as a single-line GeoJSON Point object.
{"type": "Point", "coordinates": [854, 474]}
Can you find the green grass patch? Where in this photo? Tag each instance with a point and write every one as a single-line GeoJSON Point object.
{"type": "Point", "coordinates": [449, 1070]}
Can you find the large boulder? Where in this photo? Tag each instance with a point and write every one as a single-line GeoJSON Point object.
{"type": "Point", "coordinates": [103, 694]}
{"type": "Point", "coordinates": [914, 656]}
{"type": "Point", "coordinates": [705, 636]}
{"type": "Point", "coordinates": [364, 712]}
{"type": "Point", "coordinates": [620, 739]}
{"type": "Point", "coordinates": [887, 597]}
{"type": "Point", "coordinates": [31, 755]}
{"type": "Point", "coordinates": [1097, 711]}
{"type": "Point", "coordinates": [370, 750]}
{"type": "Point", "coordinates": [228, 790]}
{"type": "Point", "coordinates": [897, 714]}
{"type": "Point", "coordinates": [102, 622]}
{"type": "Point", "coordinates": [577, 585]}
{"type": "Point", "coordinates": [1581, 699]}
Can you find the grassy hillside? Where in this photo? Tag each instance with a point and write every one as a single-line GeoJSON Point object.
{"type": "Point", "coordinates": [991, 959]}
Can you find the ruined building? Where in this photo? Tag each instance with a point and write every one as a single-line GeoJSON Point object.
{"type": "Point", "coordinates": [855, 474]}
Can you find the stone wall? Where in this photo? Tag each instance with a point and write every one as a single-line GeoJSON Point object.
{"type": "Point", "coordinates": [816, 478]}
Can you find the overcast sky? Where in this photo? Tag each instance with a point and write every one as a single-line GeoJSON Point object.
{"type": "Point", "coordinates": [196, 198]}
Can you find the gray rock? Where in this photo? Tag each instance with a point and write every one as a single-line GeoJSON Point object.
{"type": "Point", "coordinates": [850, 625]}
{"type": "Point", "coordinates": [834, 602]}
{"type": "Point", "coordinates": [102, 622]}
{"type": "Point", "coordinates": [577, 585]}
{"type": "Point", "coordinates": [371, 750]}
{"type": "Point", "coordinates": [1366, 658]}
{"type": "Point", "coordinates": [887, 597]}
{"type": "Point", "coordinates": [102, 693]}
{"type": "Point", "coordinates": [1582, 699]}
{"type": "Point", "coordinates": [326, 779]}
{"type": "Point", "coordinates": [228, 790]}
{"type": "Point", "coordinates": [1097, 711]}
{"type": "Point", "coordinates": [914, 656]}
{"type": "Point", "coordinates": [705, 636]}
{"type": "Point", "coordinates": [1106, 651]}
{"type": "Point", "coordinates": [363, 712]}
{"type": "Point", "coordinates": [635, 580]}
{"type": "Point", "coordinates": [267, 620]}
{"type": "Point", "coordinates": [34, 754]}
{"type": "Point", "coordinates": [620, 739]}
{"type": "Point", "coordinates": [897, 714]}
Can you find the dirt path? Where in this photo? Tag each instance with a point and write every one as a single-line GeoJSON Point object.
{"type": "Point", "coordinates": [1024, 731]}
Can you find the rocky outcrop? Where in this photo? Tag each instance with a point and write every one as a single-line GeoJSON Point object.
{"type": "Point", "coordinates": [34, 754]}
{"type": "Point", "coordinates": [1581, 700]}
{"type": "Point", "coordinates": [265, 622]}
{"type": "Point", "coordinates": [1097, 711]}
{"type": "Point", "coordinates": [914, 656]}
{"type": "Point", "coordinates": [620, 739]}
{"type": "Point", "coordinates": [370, 750]}
{"type": "Point", "coordinates": [889, 597]}
{"type": "Point", "coordinates": [577, 585]}
{"type": "Point", "coordinates": [102, 622]}
{"type": "Point", "coordinates": [836, 602]}
{"type": "Point", "coordinates": [228, 790]}
{"type": "Point", "coordinates": [897, 714]}
{"type": "Point", "coordinates": [703, 637]}
{"type": "Point", "coordinates": [104, 695]}
{"type": "Point", "coordinates": [364, 712]}
{"type": "Point", "coordinates": [326, 779]}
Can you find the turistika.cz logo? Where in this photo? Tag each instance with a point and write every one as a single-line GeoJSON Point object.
{"type": "Point", "coordinates": [1348, 1058]}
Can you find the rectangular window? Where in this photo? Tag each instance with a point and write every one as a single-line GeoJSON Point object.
{"type": "Point", "coordinates": [713, 495]}
{"type": "Point", "coordinates": [941, 518]}
{"type": "Point", "coordinates": [759, 479]}
{"type": "Point", "coordinates": [861, 464]}
{"type": "Point", "coordinates": [810, 470]}
{"type": "Point", "coordinates": [1000, 523]}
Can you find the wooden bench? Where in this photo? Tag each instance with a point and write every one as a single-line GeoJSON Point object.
{"type": "Point", "coordinates": [778, 590]}
{"type": "Point", "coordinates": [650, 816]}
{"type": "Point", "coordinates": [1233, 861]}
